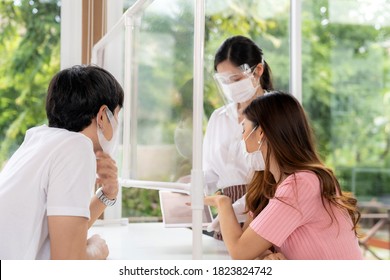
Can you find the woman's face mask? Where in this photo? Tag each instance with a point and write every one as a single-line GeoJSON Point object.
{"type": "Point", "coordinates": [240, 91]}
{"type": "Point", "coordinates": [237, 85]}
{"type": "Point", "coordinates": [255, 160]}
{"type": "Point", "coordinates": [109, 146]}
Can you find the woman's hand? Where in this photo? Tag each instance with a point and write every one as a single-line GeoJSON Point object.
{"type": "Point", "coordinates": [275, 256]}
{"type": "Point", "coordinates": [217, 200]}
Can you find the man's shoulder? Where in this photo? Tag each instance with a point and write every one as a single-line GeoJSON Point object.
{"type": "Point", "coordinates": [56, 140]}
{"type": "Point", "coordinates": [58, 136]}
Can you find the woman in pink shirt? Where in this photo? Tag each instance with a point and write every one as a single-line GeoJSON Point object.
{"type": "Point", "coordinates": [296, 204]}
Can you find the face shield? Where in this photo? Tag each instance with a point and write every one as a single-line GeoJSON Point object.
{"type": "Point", "coordinates": [236, 86]}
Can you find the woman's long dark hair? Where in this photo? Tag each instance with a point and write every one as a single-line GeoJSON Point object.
{"type": "Point", "coordinates": [290, 139]}
{"type": "Point", "coordinates": [240, 50]}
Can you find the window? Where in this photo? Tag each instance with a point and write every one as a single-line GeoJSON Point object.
{"type": "Point", "coordinates": [30, 48]}
{"type": "Point", "coordinates": [346, 89]}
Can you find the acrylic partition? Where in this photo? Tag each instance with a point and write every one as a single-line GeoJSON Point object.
{"type": "Point", "coordinates": [151, 52]}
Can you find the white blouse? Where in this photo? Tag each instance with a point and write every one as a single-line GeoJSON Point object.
{"type": "Point", "coordinates": [223, 159]}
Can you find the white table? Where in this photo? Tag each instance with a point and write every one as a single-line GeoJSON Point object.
{"type": "Point", "coordinates": [148, 241]}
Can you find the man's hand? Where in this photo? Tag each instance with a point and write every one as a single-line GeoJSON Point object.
{"type": "Point", "coordinates": [97, 248]}
{"type": "Point", "coordinates": [107, 172]}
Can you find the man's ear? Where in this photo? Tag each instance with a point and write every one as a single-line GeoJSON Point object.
{"type": "Point", "coordinates": [100, 116]}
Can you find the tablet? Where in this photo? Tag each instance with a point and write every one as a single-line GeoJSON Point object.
{"type": "Point", "coordinates": [176, 213]}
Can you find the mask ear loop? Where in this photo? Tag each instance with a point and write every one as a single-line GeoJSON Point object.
{"type": "Point", "coordinates": [254, 74]}
{"type": "Point", "coordinates": [109, 114]}
{"type": "Point", "coordinates": [260, 142]}
{"type": "Point", "coordinates": [246, 138]}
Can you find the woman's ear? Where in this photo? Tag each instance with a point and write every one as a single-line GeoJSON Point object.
{"type": "Point", "coordinates": [258, 71]}
{"type": "Point", "coordinates": [260, 135]}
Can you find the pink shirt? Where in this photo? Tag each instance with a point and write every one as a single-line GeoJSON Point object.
{"type": "Point", "coordinates": [300, 228]}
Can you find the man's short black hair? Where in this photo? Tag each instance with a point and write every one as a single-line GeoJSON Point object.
{"type": "Point", "coordinates": [76, 94]}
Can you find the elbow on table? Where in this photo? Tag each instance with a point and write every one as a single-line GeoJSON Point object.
{"type": "Point", "coordinates": [238, 257]}
{"type": "Point", "coordinates": [238, 254]}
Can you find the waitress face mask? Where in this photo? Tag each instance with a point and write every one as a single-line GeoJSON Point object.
{"type": "Point", "coordinates": [241, 91]}
{"type": "Point", "coordinates": [109, 146]}
{"type": "Point", "coordinates": [237, 87]}
{"type": "Point", "coordinates": [255, 160]}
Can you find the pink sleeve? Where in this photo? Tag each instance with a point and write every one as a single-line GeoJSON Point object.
{"type": "Point", "coordinates": [287, 211]}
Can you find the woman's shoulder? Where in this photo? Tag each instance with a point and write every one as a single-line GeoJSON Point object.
{"type": "Point", "coordinates": [225, 114]}
{"type": "Point", "coordinates": [301, 178]}
{"type": "Point", "coordinates": [306, 175]}
{"type": "Point", "coordinates": [220, 111]}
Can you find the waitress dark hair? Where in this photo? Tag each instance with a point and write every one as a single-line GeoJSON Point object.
{"type": "Point", "coordinates": [240, 50]}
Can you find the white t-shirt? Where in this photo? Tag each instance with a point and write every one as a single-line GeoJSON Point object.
{"type": "Point", "coordinates": [51, 174]}
{"type": "Point", "coordinates": [223, 159]}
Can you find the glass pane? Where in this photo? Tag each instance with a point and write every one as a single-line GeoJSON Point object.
{"type": "Point", "coordinates": [266, 22]}
{"type": "Point", "coordinates": [163, 82]}
{"type": "Point", "coordinates": [346, 90]}
{"type": "Point", "coordinates": [163, 66]}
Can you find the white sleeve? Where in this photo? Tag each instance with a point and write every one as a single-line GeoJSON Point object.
{"type": "Point", "coordinates": [71, 179]}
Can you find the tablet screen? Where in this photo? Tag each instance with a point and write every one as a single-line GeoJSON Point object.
{"type": "Point", "coordinates": [176, 213]}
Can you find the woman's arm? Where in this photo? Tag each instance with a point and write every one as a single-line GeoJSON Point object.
{"type": "Point", "coordinates": [265, 255]}
{"type": "Point", "coordinates": [248, 220]}
{"type": "Point", "coordinates": [241, 244]}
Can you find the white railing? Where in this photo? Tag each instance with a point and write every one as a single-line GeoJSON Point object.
{"type": "Point", "coordinates": [197, 183]}
{"type": "Point", "coordinates": [155, 185]}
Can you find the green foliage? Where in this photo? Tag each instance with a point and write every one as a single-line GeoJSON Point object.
{"type": "Point", "coordinates": [345, 92]}
{"type": "Point", "coordinates": [140, 202]}
{"type": "Point", "coordinates": [366, 183]}
{"type": "Point", "coordinates": [316, 73]}
{"type": "Point", "coordinates": [29, 35]}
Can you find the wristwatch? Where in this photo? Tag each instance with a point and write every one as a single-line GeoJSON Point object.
{"type": "Point", "coordinates": [103, 198]}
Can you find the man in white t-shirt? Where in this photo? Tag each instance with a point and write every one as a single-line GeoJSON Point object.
{"type": "Point", "coordinates": [46, 187]}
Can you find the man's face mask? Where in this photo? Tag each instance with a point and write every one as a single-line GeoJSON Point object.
{"type": "Point", "coordinates": [109, 146]}
{"type": "Point", "coordinates": [237, 87]}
